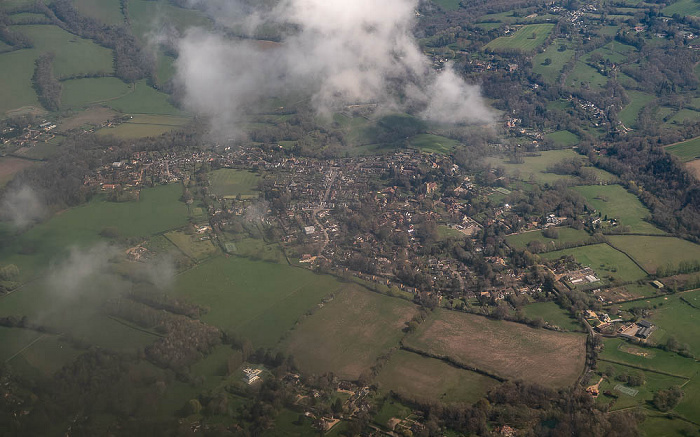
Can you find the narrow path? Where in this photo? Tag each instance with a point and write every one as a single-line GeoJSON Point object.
{"type": "Point", "coordinates": [25, 348]}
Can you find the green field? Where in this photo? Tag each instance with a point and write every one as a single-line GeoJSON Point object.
{"type": "Point", "coordinates": [74, 55]}
{"type": "Point", "coordinates": [620, 351]}
{"type": "Point", "coordinates": [556, 58]}
{"type": "Point", "coordinates": [145, 17]}
{"type": "Point", "coordinates": [257, 300]}
{"type": "Point", "coordinates": [347, 335]}
{"type": "Point", "coordinates": [159, 209]}
{"type": "Point", "coordinates": [525, 39]}
{"type": "Point", "coordinates": [563, 138]}
{"type": "Point", "coordinates": [144, 100]}
{"type": "Point", "coordinates": [653, 252]}
{"type": "Point", "coordinates": [687, 150]}
{"type": "Point", "coordinates": [508, 349]}
{"type": "Point", "coordinates": [552, 313]}
{"type": "Point", "coordinates": [228, 182]}
{"type": "Point", "coordinates": [566, 235]}
{"type": "Point", "coordinates": [417, 377]}
{"type": "Point", "coordinates": [664, 426]}
{"type": "Point", "coordinates": [82, 92]}
{"type": "Point", "coordinates": [433, 143]}
{"type": "Point", "coordinates": [604, 260]}
{"type": "Point", "coordinates": [16, 70]}
{"type": "Point", "coordinates": [448, 5]}
{"type": "Point", "coordinates": [535, 167]}
{"type": "Point", "coordinates": [628, 115]}
{"type": "Point", "coordinates": [616, 202]}
{"type": "Point", "coordinates": [683, 8]}
{"type": "Point", "coordinates": [585, 76]}
{"type": "Point", "coordinates": [684, 116]}
{"type": "Point", "coordinates": [192, 245]}
{"type": "Point", "coordinates": [106, 11]}
{"type": "Point", "coordinates": [674, 318]}
{"type": "Point", "coordinates": [143, 125]}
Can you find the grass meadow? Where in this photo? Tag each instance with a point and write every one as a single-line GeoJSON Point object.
{"type": "Point", "coordinates": [685, 151]}
{"type": "Point", "coordinates": [347, 335]}
{"type": "Point", "coordinates": [553, 314]}
{"type": "Point", "coordinates": [526, 39]}
{"type": "Point", "coordinates": [535, 167]}
{"type": "Point", "coordinates": [107, 11]}
{"type": "Point", "coordinates": [158, 210]}
{"type": "Point", "coordinates": [628, 115]}
{"type": "Point", "coordinates": [652, 251]}
{"type": "Point", "coordinates": [144, 100]}
{"type": "Point", "coordinates": [616, 202]}
{"type": "Point", "coordinates": [144, 125]}
{"type": "Point", "coordinates": [566, 235]}
{"type": "Point", "coordinates": [78, 93]}
{"type": "Point", "coordinates": [557, 59]}
{"type": "Point", "coordinates": [430, 379]}
{"type": "Point", "coordinates": [507, 349]}
{"type": "Point", "coordinates": [604, 260]}
{"type": "Point", "coordinates": [258, 300]}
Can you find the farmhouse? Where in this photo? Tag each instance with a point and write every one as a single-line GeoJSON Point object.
{"type": "Point", "coordinates": [640, 330]}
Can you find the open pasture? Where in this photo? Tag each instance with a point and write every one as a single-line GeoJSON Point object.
{"type": "Point", "coordinates": [628, 115]}
{"type": "Point", "coordinates": [16, 70]}
{"type": "Point", "coordinates": [683, 8]}
{"type": "Point", "coordinates": [563, 138]}
{"type": "Point", "coordinates": [107, 11]}
{"type": "Point", "coordinates": [142, 126]}
{"type": "Point", "coordinates": [448, 5]}
{"type": "Point", "coordinates": [415, 376]}
{"type": "Point", "coordinates": [653, 252]}
{"type": "Point", "coordinates": [10, 166]}
{"type": "Point", "coordinates": [585, 76]}
{"type": "Point", "coordinates": [685, 151]}
{"type": "Point", "coordinates": [433, 143]}
{"type": "Point", "coordinates": [507, 349]}
{"type": "Point", "coordinates": [192, 245]}
{"type": "Point", "coordinates": [257, 300]}
{"type": "Point", "coordinates": [228, 182]}
{"type": "Point", "coordinates": [551, 70]}
{"type": "Point", "coordinates": [153, 16]}
{"type": "Point", "coordinates": [78, 93]}
{"type": "Point", "coordinates": [525, 39]}
{"type": "Point", "coordinates": [553, 314]}
{"type": "Point", "coordinates": [74, 55]}
{"type": "Point", "coordinates": [616, 202]}
{"type": "Point", "coordinates": [604, 260]}
{"type": "Point", "coordinates": [144, 100]}
{"type": "Point", "coordinates": [158, 209]}
{"type": "Point", "coordinates": [566, 235]}
{"type": "Point", "coordinates": [535, 167]}
{"type": "Point", "coordinates": [347, 335]}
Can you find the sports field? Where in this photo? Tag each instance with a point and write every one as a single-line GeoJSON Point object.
{"type": "Point", "coordinates": [566, 235]}
{"type": "Point", "coordinates": [616, 202]}
{"type": "Point", "coordinates": [347, 335]}
{"type": "Point", "coordinates": [604, 260]}
{"type": "Point", "coordinates": [653, 252]}
{"type": "Point", "coordinates": [430, 379]}
{"type": "Point", "coordinates": [510, 350]}
{"type": "Point", "coordinates": [525, 39]}
{"type": "Point", "coordinates": [685, 151]}
{"type": "Point", "coordinates": [256, 300]}
{"type": "Point", "coordinates": [228, 182]}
